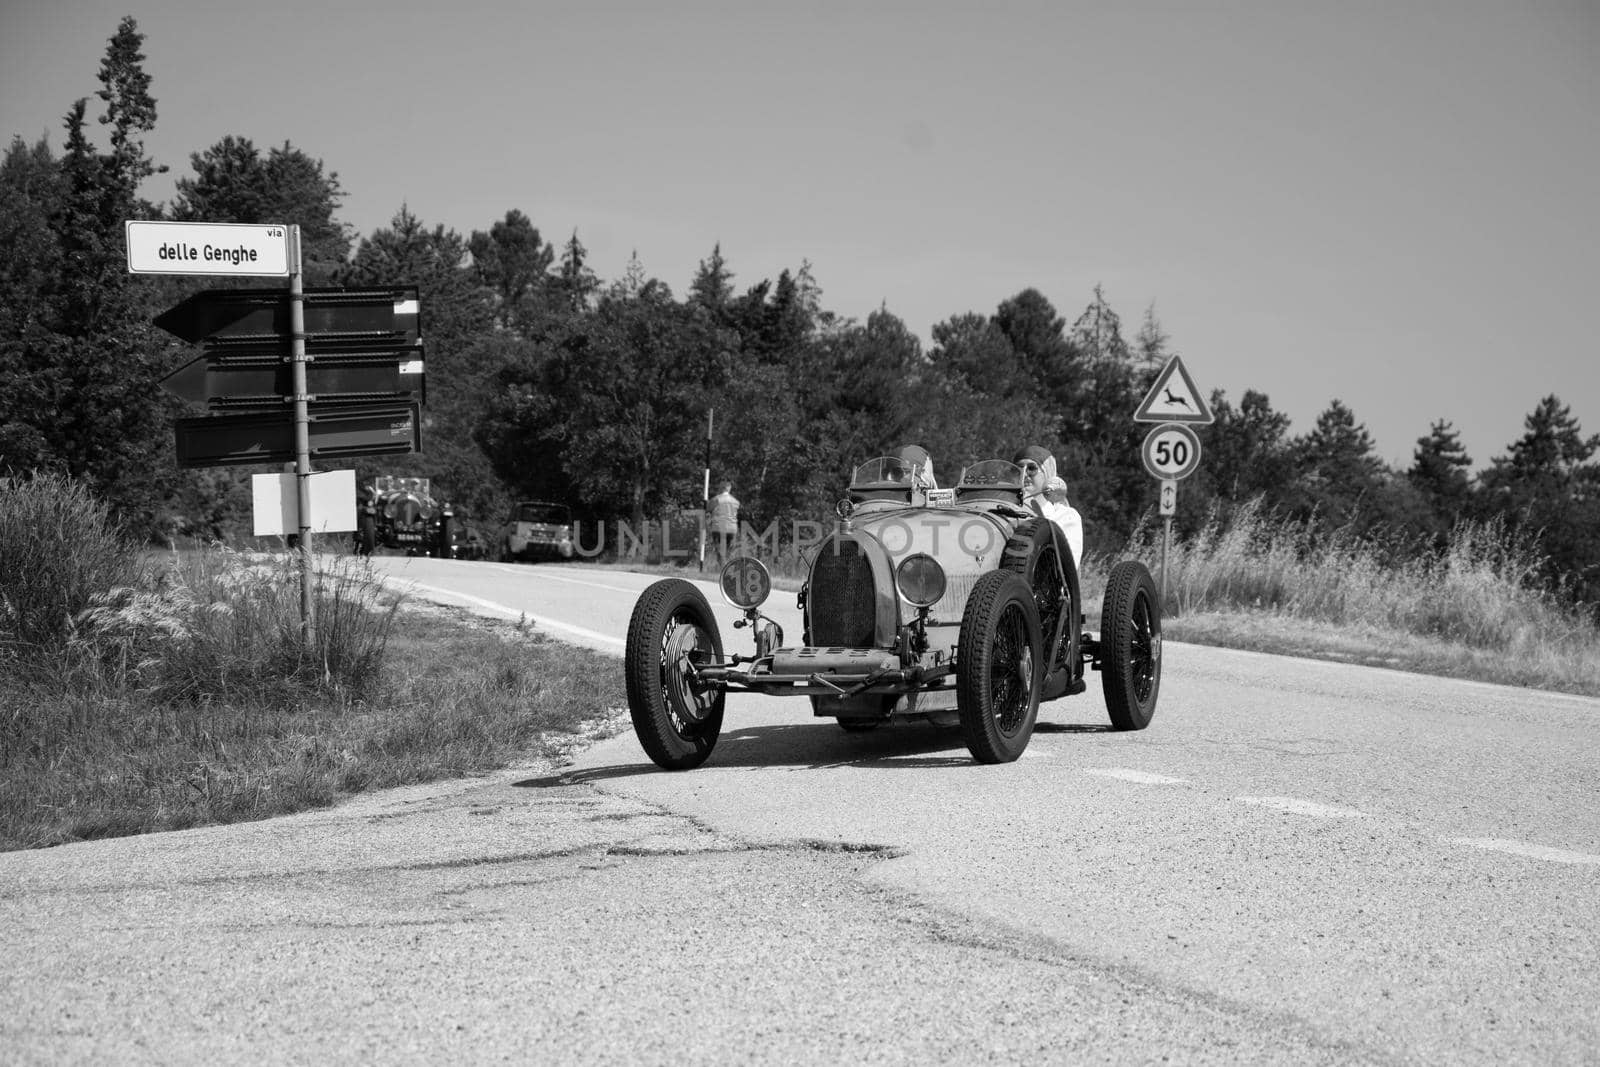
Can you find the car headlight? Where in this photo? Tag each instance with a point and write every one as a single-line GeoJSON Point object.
{"type": "Point", "coordinates": [921, 580]}
{"type": "Point", "coordinates": [745, 582]}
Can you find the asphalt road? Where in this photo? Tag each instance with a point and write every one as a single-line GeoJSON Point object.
{"type": "Point", "coordinates": [1297, 862]}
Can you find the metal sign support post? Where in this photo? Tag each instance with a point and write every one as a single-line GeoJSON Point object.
{"type": "Point", "coordinates": [302, 439]}
{"type": "Point", "coordinates": [1166, 546]}
{"type": "Point", "coordinates": [705, 489]}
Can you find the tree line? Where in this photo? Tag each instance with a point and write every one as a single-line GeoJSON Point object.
{"type": "Point", "coordinates": [545, 381]}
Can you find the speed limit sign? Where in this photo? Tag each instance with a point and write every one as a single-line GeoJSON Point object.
{"type": "Point", "coordinates": [1171, 451]}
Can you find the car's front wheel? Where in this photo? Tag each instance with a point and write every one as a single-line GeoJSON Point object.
{"type": "Point", "coordinates": [671, 635]}
{"type": "Point", "coordinates": [1130, 641]}
{"type": "Point", "coordinates": [998, 668]}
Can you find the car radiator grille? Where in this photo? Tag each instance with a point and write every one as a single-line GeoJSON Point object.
{"type": "Point", "coordinates": [841, 598]}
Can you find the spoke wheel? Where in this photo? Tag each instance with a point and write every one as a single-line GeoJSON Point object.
{"type": "Point", "coordinates": [998, 668]}
{"type": "Point", "coordinates": [671, 635]}
{"type": "Point", "coordinates": [1037, 551]}
{"type": "Point", "coordinates": [1131, 646]}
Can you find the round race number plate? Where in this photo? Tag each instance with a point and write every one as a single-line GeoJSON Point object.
{"type": "Point", "coordinates": [1171, 450]}
{"type": "Point", "coordinates": [745, 582]}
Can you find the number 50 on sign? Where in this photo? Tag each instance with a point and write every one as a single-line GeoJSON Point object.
{"type": "Point", "coordinates": [1171, 451]}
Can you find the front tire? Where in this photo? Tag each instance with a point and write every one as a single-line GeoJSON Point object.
{"type": "Point", "coordinates": [671, 633]}
{"type": "Point", "coordinates": [998, 668]}
{"type": "Point", "coordinates": [1131, 645]}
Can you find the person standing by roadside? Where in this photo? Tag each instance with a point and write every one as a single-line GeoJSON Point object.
{"type": "Point", "coordinates": [722, 519]}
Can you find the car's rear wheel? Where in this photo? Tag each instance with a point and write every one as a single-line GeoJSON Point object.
{"type": "Point", "coordinates": [998, 668]}
{"type": "Point", "coordinates": [1130, 645]}
{"type": "Point", "coordinates": [671, 635]}
{"type": "Point", "coordinates": [1034, 551]}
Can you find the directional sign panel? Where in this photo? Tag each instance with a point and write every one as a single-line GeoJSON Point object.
{"type": "Point", "coordinates": [268, 437]}
{"type": "Point", "coordinates": [1171, 451]}
{"type": "Point", "coordinates": [1174, 398]}
{"type": "Point", "coordinates": [229, 379]}
{"type": "Point", "coordinates": [262, 315]}
{"type": "Point", "coordinates": [238, 249]}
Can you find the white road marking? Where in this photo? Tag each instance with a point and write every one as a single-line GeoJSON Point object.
{"type": "Point", "coordinates": [1519, 848]}
{"type": "Point", "coordinates": [1141, 777]}
{"type": "Point", "coordinates": [1296, 806]}
{"type": "Point", "coordinates": [548, 575]}
{"type": "Point", "coordinates": [514, 613]}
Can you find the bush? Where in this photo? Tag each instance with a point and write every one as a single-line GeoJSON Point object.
{"type": "Point", "coordinates": [59, 549]}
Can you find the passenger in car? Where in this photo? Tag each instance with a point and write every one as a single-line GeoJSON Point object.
{"type": "Point", "coordinates": [920, 462]}
{"type": "Point", "coordinates": [1045, 494]}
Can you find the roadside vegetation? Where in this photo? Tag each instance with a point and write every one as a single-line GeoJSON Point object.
{"type": "Point", "coordinates": [155, 691]}
{"type": "Point", "coordinates": [1474, 606]}
{"type": "Point", "coordinates": [143, 692]}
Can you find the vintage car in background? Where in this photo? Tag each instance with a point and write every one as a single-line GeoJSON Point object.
{"type": "Point", "coordinates": [958, 606]}
{"type": "Point", "coordinates": [400, 512]}
{"type": "Point", "coordinates": [539, 529]}
{"type": "Point", "coordinates": [466, 542]}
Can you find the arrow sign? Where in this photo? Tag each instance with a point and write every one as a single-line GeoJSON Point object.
{"type": "Point", "coordinates": [268, 436]}
{"type": "Point", "coordinates": [220, 315]}
{"type": "Point", "coordinates": [229, 378]}
{"type": "Point", "coordinates": [1174, 398]}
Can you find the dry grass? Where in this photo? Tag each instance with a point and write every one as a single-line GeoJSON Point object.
{"type": "Point", "coordinates": [182, 691]}
{"type": "Point", "coordinates": [1472, 610]}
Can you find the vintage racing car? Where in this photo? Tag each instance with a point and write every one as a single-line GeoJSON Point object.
{"type": "Point", "coordinates": [959, 606]}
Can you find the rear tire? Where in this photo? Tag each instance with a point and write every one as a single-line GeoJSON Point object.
{"type": "Point", "coordinates": [1130, 642]}
{"type": "Point", "coordinates": [671, 632]}
{"type": "Point", "coordinates": [1037, 552]}
{"type": "Point", "coordinates": [998, 668]}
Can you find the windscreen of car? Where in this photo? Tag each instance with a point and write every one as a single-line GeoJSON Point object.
{"type": "Point", "coordinates": [991, 474]}
{"type": "Point", "coordinates": [885, 472]}
{"type": "Point", "coordinates": [553, 514]}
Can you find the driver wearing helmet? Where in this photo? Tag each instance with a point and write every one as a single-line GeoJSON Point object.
{"type": "Point", "coordinates": [1045, 494]}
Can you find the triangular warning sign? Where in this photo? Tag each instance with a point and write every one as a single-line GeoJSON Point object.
{"type": "Point", "coordinates": [1174, 398]}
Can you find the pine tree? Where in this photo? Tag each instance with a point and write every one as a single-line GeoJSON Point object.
{"type": "Point", "coordinates": [577, 282]}
{"type": "Point", "coordinates": [1440, 471]}
{"type": "Point", "coordinates": [1336, 469]}
{"type": "Point", "coordinates": [513, 262]}
{"type": "Point", "coordinates": [712, 286]}
{"type": "Point", "coordinates": [1549, 486]}
{"type": "Point", "coordinates": [1151, 347]}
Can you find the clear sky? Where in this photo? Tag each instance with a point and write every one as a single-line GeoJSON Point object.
{"type": "Point", "coordinates": [1395, 204]}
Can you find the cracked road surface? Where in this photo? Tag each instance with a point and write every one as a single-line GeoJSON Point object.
{"type": "Point", "coordinates": [522, 917]}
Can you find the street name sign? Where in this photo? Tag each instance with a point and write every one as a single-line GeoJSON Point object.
{"type": "Point", "coordinates": [1171, 451]}
{"type": "Point", "coordinates": [268, 436]}
{"type": "Point", "coordinates": [225, 248]}
{"type": "Point", "coordinates": [1174, 398]}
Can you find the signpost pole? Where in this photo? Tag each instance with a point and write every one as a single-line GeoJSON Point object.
{"type": "Point", "coordinates": [705, 489]}
{"type": "Point", "coordinates": [302, 438]}
{"type": "Point", "coordinates": [1166, 546]}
